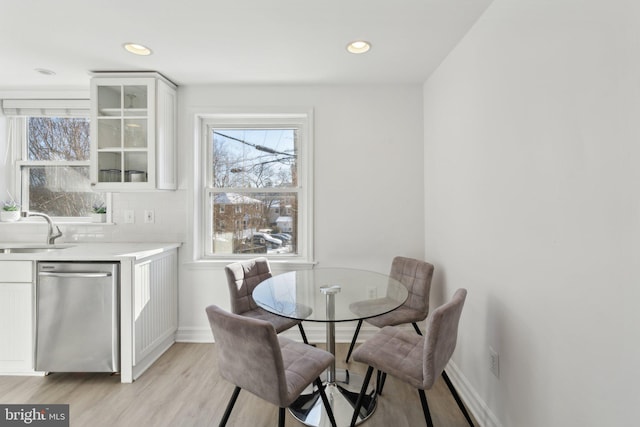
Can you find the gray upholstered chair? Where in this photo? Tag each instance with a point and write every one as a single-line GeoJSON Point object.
{"type": "Point", "coordinates": [415, 359]}
{"type": "Point", "coordinates": [252, 357]}
{"type": "Point", "coordinates": [242, 278]}
{"type": "Point", "coordinates": [416, 276]}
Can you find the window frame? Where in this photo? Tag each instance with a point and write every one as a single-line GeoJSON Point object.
{"type": "Point", "coordinates": [302, 120]}
{"type": "Point", "coordinates": [20, 140]}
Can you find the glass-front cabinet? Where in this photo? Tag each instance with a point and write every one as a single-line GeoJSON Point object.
{"type": "Point", "coordinates": [133, 132]}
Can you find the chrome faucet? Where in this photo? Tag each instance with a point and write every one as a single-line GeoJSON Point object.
{"type": "Point", "coordinates": [51, 237]}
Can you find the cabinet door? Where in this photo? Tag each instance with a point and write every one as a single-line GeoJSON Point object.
{"type": "Point", "coordinates": [123, 133]}
{"type": "Point", "coordinates": [16, 327]}
{"type": "Point", "coordinates": [166, 137]}
{"type": "Point", "coordinates": [16, 271]}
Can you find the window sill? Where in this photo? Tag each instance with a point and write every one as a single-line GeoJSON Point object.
{"type": "Point", "coordinates": [276, 264]}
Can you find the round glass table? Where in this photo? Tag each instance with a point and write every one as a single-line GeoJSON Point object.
{"type": "Point", "coordinates": [329, 295]}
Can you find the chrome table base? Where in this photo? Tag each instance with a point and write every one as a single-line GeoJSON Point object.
{"type": "Point", "coordinates": [342, 395]}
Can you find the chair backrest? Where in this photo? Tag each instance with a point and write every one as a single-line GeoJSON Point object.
{"type": "Point", "coordinates": [242, 278]}
{"type": "Point", "coordinates": [441, 337]}
{"type": "Point", "coordinates": [416, 276]}
{"type": "Point", "coordinates": [249, 354]}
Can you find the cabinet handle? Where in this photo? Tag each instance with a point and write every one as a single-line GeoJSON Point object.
{"type": "Point", "coordinates": [69, 274]}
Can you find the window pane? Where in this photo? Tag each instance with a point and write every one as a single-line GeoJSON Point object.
{"type": "Point", "coordinates": [254, 158]}
{"type": "Point", "coordinates": [58, 138]}
{"type": "Point", "coordinates": [254, 223]}
{"type": "Point", "coordinates": [60, 190]}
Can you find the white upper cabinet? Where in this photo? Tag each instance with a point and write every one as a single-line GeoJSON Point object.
{"type": "Point", "coordinates": [133, 132]}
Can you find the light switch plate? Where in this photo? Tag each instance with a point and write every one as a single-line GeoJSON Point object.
{"type": "Point", "coordinates": [129, 216]}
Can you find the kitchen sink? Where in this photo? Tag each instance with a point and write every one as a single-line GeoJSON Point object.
{"type": "Point", "coordinates": [31, 248]}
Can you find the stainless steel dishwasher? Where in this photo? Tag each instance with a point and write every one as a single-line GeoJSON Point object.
{"type": "Point", "coordinates": [77, 323]}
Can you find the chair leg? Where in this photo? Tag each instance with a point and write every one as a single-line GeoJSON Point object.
{"type": "Point", "coordinates": [457, 398]}
{"type": "Point", "coordinates": [304, 336]}
{"type": "Point", "coordinates": [425, 408]}
{"type": "Point", "coordinates": [281, 413]}
{"type": "Point", "coordinates": [325, 401]}
{"type": "Point", "coordinates": [353, 341]}
{"type": "Point", "coordinates": [232, 402]}
{"type": "Point", "coordinates": [363, 391]}
{"type": "Point", "coordinates": [383, 378]}
{"type": "Point", "coordinates": [415, 326]}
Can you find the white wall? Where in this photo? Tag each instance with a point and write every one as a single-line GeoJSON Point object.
{"type": "Point", "coordinates": [4, 172]}
{"type": "Point", "coordinates": [369, 187]}
{"type": "Point", "coordinates": [369, 184]}
{"type": "Point", "coordinates": [532, 147]}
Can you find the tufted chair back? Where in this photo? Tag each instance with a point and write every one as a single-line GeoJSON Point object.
{"type": "Point", "coordinates": [242, 278]}
{"type": "Point", "coordinates": [441, 337]}
{"type": "Point", "coordinates": [416, 276]}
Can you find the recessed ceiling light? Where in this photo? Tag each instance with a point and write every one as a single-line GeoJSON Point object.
{"type": "Point", "coordinates": [44, 71]}
{"type": "Point", "coordinates": [359, 46]}
{"type": "Point", "coordinates": [137, 49]}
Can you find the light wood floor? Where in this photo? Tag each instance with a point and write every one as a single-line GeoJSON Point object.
{"type": "Point", "coordinates": [183, 389]}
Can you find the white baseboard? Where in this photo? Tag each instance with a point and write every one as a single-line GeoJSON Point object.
{"type": "Point", "coordinates": [194, 335]}
{"type": "Point", "coordinates": [481, 412]}
{"type": "Point", "coordinates": [316, 333]}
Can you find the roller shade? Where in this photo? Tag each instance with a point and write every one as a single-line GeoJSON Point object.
{"type": "Point", "coordinates": [46, 107]}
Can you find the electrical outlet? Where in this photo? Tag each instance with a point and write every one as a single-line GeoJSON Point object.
{"type": "Point", "coordinates": [129, 217]}
{"type": "Point", "coordinates": [494, 362]}
{"type": "Point", "coordinates": [149, 217]}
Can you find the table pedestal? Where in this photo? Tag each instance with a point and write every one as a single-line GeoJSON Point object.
{"type": "Point", "coordinates": [341, 386]}
{"type": "Point", "coordinates": [342, 395]}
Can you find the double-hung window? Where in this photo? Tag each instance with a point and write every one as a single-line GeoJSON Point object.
{"type": "Point", "coordinates": [50, 145]}
{"type": "Point", "coordinates": [257, 186]}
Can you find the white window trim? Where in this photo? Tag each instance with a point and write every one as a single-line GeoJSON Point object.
{"type": "Point", "coordinates": [302, 117]}
{"type": "Point", "coordinates": [17, 112]}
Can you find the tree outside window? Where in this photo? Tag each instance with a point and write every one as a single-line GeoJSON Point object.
{"type": "Point", "coordinates": [55, 170]}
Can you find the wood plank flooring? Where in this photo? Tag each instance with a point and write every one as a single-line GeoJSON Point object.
{"type": "Point", "coordinates": [183, 388]}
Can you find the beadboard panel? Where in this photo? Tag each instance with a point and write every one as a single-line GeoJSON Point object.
{"type": "Point", "coordinates": [155, 304]}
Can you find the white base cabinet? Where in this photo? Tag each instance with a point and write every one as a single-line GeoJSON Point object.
{"type": "Point", "coordinates": [16, 317]}
{"type": "Point", "coordinates": [148, 311]}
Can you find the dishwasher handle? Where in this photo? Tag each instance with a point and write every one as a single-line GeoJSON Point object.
{"type": "Point", "coordinates": [80, 274]}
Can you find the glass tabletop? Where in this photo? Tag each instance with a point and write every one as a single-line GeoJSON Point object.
{"type": "Point", "coordinates": [357, 294]}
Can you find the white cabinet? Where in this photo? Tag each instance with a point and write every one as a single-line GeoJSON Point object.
{"type": "Point", "coordinates": [133, 132]}
{"type": "Point", "coordinates": [16, 316]}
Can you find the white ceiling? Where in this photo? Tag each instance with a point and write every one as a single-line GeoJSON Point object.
{"type": "Point", "coordinates": [229, 42]}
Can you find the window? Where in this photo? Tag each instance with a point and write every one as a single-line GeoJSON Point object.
{"type": "Point", "coordinates": [255, 167]}
{"type": "Point", "coordinates": [51, 152]}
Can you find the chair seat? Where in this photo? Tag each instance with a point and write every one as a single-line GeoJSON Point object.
{"type": "Point", "coordinates": [253, 358]}
{"type": "Point", "coordinates": [399, 316]}
{"type": "Point", "coordinates": [279, 323]}
{"type": "Point", "coordinates": [396, 352]}
{"type": "Point", "coordinates": [302, 364]}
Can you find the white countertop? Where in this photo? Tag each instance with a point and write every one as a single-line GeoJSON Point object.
{"type": "Point", "coordinates": [74, 251]}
